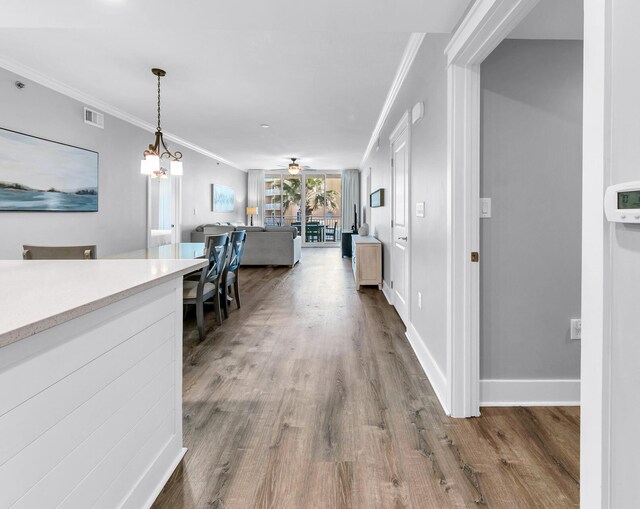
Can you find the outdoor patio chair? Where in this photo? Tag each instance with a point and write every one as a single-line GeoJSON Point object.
{"type": "Point", "coordinates": [312, 231]}
{"type": "Point", "coordinates": [330, 232]}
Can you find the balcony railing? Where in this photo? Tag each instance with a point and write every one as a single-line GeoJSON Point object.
{"type": "Point", "coordinates": [326, 222]}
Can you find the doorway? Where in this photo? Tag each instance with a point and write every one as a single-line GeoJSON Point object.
{"type": "Point", "coordinates": [485, 26]}
{"type": "Point", "coordinates": [311, 202]}
{"type": "Point", "coordinates": [164, 210]}
{"type": "Point", "coordinates": [531, 234]}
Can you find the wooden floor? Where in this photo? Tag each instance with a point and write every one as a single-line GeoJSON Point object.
{"type": "Point", "coordinates": [310, 396]}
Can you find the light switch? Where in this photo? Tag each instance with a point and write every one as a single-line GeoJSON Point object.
{"type": "Point", "coordinates": [485, 207]}
{"type": "Point", "coordinates": [420, 209]}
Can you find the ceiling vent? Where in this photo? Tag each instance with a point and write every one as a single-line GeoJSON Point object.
{"type": "Point", "coordinates": [93, 118]}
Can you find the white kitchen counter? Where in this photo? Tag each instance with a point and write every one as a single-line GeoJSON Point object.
{"type": "Point", "coordinates": [90, 381]}
{"type": "Point", "coordinates": [38, 294]}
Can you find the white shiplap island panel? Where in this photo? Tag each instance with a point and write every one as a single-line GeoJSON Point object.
{"type": "Point", "coordinates": [90, 381]}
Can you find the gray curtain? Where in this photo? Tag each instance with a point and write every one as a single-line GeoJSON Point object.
{"type": "Point", "coordinates": [350, 197]}
{"type": "Point", "coordinates": [255, 195]}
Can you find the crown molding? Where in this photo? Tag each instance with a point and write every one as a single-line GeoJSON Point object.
{"type": "Point", "coordinates": [53, 84]}
{"type": "Point", "coordinates": [479, 23]}
{"type": "Point", "coordinates": [410, 52]}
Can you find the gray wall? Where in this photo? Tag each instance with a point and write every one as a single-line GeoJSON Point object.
{"type": "Point", "coordinates": [531, 246]}
{"type": "Point", "coordinates": [200, 173]}
{"type": "Point", "coordinates": [120, 223]}
{"type": "Point", "coordinates": [427, 82]}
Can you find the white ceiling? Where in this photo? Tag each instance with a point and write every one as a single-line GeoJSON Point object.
{"type": "Point", "coordinates": [316, 72]}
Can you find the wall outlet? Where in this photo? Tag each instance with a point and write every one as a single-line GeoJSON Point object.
{"type": "Point", "coordinates": [419, 300]}
{"type": "Point", "coordinates": [195, 212]}
{"type": "Point", "coordinates": [576, 328]}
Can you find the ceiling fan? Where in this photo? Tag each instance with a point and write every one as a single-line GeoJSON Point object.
{"type": "Point", "coordinates": [294, 168]}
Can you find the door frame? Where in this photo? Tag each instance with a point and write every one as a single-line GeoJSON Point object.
{"type": "Point", "coordinates": [402, 126]}
{"type": "Point", "coordinates": [176, 191]}
{"type": "Point", "coordinates": [597, 237]}
{"type": "Point", "coordinates": [487, 23]}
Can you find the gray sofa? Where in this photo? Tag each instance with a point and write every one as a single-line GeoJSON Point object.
{"type": "Point", "coordinates": [273, 245]}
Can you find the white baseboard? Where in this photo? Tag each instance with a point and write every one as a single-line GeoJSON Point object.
{"type": "Point", "coordinates": [529, 392]}
{"type": "Point", "coordinates": [431, 369]}
{"type": "Point", "coordinates": [386, 290]}
{"type": "Point", "coordinates": [164, 476]}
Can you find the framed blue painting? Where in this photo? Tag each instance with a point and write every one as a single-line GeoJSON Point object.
{"type": "Point", "coordinates": [38, 175]}
{"type": "Point", "coordinates": [224, 199]}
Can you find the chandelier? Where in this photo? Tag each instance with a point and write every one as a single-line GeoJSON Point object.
{"type": "Point", "coordinates": [294, 168]}
{"type": "Point", "coordinates": [152, 164]}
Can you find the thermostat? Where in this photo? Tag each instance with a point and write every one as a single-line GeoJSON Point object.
{"type": "Point", "coordinates": [622, 202]}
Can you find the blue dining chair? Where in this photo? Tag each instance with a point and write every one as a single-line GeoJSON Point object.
{"type": "Point", "coordinates": [207, 286]}
{"type": "Point", "coordinates": [231, 273]}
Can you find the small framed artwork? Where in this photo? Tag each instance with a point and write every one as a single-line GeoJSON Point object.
{"type": "Point", "coordinates": [38, 175]}
{"type": "Point", "coordinates": [376, 199]}
{"type": "Point", "coordinates": [223, 198]}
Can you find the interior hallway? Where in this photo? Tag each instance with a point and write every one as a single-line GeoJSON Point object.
{"type": "Point", "coordinates": [311, 397]}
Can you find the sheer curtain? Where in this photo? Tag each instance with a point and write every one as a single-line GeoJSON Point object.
{"type": "Point", "coordinates": [350, 197]}
{"type": "Point", "coordinates": [255, 195]}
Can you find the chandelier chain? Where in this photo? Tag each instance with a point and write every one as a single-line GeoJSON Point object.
{"type": "Point", "coordinates": [159, 129]}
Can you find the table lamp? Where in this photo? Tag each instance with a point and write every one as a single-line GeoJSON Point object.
{"type": "Point", "coordinates": [250, 212]}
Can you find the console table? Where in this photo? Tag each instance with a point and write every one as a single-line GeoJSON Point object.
{"type": "Point", "coordinates": [366, 261]}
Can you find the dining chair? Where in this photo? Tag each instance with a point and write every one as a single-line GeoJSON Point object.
{"type": "Point", "coordinates": [208, 285]}
{"type": "Point", "coordinates": [231, 273]}
{"type": "Point", "coordinates": [330, 232]}
{"type": "Point", "coordinates": [312, 232]}
{"type": "Point", "coordinates": [59, 252]}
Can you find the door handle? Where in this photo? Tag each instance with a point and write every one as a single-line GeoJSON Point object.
{"type": "Point", "coordinates": [402, 238]}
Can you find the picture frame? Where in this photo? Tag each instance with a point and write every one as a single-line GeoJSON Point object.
{"type": "Point", "coordinates": [222, 198]}
{"type": "Point", "coordinates": [376, 199]}
{"type": "Point", "coordinates": [40, 175]}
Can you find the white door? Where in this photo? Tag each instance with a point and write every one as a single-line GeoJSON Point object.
{"type": "Point", "coordinates": [163, 215]}
{"type": "Point", "coordinates": [400, 221]}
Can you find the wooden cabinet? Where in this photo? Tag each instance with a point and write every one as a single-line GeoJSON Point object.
{"type": "Point", "coordinates": [366, 261]}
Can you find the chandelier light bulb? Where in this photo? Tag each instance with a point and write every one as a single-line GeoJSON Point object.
{"type": "Point", "coordinates": [176, 168]}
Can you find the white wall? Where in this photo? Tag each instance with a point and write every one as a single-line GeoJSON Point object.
{"type": "Point", "coordinates": [531, 168]}
{"type": "Point", "coordinates": [611, 349]}
{"type": "Point", "coordinates": [427, 82]}
{"type": "Point", "coordinates": [120, 223]}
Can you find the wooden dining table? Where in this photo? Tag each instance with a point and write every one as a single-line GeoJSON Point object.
{"type": "Point", "coordinates": [179, 251]}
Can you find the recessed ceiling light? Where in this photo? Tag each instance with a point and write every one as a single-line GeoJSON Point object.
{"type": "Point", "coordinates": [265, 126]}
